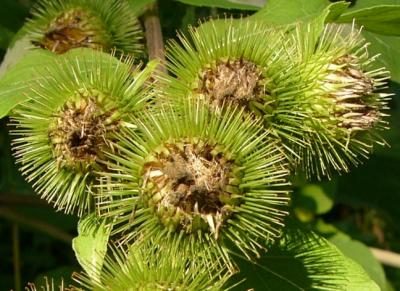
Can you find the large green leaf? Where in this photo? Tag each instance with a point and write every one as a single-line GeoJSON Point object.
{"type": "Point", "coordinates": [227, 4]}
{"type": "Point", "coordinates": [90, 246]}
{"type": "Point", "coordinates": [33, 67]}
{"type": "Point", "coordinates": [382, 19]}
{"type": "Point", "coordinates": [361, 4]}
{"type": "Point", "coordinates": [389, 49]}
{"type": "Point", "coordinates": [277, 12]}
{"type": "Point", "coordinates": [301, 260]}
{"type": "Point", "coordinates": [361, 254]}
{"type": "Point", "coordinates": [15, 81]}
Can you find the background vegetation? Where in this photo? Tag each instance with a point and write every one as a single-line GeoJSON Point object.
{"type": "Point", "coordinates": [355, 211]}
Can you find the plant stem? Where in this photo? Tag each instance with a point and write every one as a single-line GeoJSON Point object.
{"type": "Point", "coordinates": [386, 257]}
{"type": "Point", "coordinates": [16, 257]}
{"type": "Point", "coordinates": [35, 223]}
{"type": "Point", "coordinates": [154, 37]}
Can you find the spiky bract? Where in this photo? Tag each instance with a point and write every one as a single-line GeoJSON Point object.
{"type": "Point", "coordinates": [62, 25]}
{"type": "Point", "coordinates": [318, 95]}
{"type": "Point", "coordinates": [47, 286]}
{"type": "Point", "coordinates": [64, 127]}
{"type": "Point", "coordinates": [340, 104]}
{"type": "Point", "coordinates": [152, 266]}
{"type": "Point", "coordinates": [227, 61]}
{"type": "Point", "coordinates": [215, 178]}
{"type": "Point", "coordinates": [243, 62]}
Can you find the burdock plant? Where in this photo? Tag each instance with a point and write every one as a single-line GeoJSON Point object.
{"type": "Point", "coordinates": [320, 97]}
{"type": "Point", "coordinates": [217, 182]}
{"type": "Point", "coordinates": [62, 130]}
{"type": "Point", "coordinates": [228, 61]}
{"type": "Point", "coordinates": [146, 265]}
{"type": "Point", "coordinates": [62, 25]}
{"type": "Point", "coordinates": [181, 176]}
{"type": "Point", "coordinates": [342, 103]}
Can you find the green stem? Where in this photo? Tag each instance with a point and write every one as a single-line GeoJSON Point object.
{"type": "Point", "coordinates": [49, 229]}
{"type": "Point", "coordinates": [16, 257]}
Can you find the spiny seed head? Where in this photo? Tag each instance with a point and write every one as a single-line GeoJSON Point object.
{"type": "Point", "coordinates": [72, 29]}
{"type": "Point", "coordinates": [351, 105]}
{"type": "Point", "coordinates": [341, 104]}
{"type": "Point", "coordinates": [150, 265]}
{"type": "Point", "coordinates": [187, 171]}
{"type": "Point", "coordinates": [227, 62]}
{"type": "Point", "coordinates": [65, 126]}
{"type": "Point", "coordinates": [62, 25]}
{"type": "Point", "coordinates": [317, 93]}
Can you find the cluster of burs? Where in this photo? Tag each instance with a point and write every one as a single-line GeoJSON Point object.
{"type": "Point", "coordinates": [189, 168]}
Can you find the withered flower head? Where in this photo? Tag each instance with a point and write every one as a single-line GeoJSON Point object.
{"type": "Point", "coordinates": [65, 126]}
{"type": "Point", "coordinates": [206, 178]}
{"type": "Point", "coordinates": [61, 25]}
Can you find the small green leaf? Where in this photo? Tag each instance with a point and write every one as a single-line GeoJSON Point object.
{"type": "Point", "coordinates": [139, 6]}
{"type": "Point", "coordinates": [313, 198]}
{"type": "Point", "coordinates": [360, 253]}
{"type": "Point", "coordinates": [301, 260]}
{"type": "Point", "coordinates": [227, 4]}
{"type": "Point", "coordinates": [90, 246]}
{"type": "Point", "coordinates": [382, 19]}
{"type": "Point", "coordinates": [277, 12]}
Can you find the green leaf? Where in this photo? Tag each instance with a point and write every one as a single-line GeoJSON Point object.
{"type": "Point", "coordinates": [313, 198]}
{"type": "Point", "coordinates": [382, 19]}
{"type": "Point", "coordinates": [301, 260]}
{"type": "Point", "coordinates": [361, 4]}
{"type": "Point", "coordinates": [277, 12]}
{"type": "Point", "coordinates": [360, 253]}
{"type": "Point", "coordinates": [15, 78]}
{"type": "Point", "coordinates": [33, 67]}
{"type": "Point", "coordinates": [90, 246]}
{"type": "Point", "coordinates": [14, 54]}
{"type": "Point", "coordinates": [227, 4]}
{"type": "Point", "coordinates": [139, 6]}
{"type": "Point", "coordinates": [389, 49]}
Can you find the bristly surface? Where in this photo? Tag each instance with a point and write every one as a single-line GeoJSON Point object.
{"type": "Point", "coordinates": [64, 127]}
{"type": "Point", "coordinates": [216, 181]}
{"type": "Point", "coordinates": [320, 96]}
{"type": "Point", "coordinates": [155, 266]}
{"type": "Point", "coordinates": [62, 25]}
{"type": "Point", "coordinates": [341, 106]}
{"type": "Point", "coordinates": [236, 62]}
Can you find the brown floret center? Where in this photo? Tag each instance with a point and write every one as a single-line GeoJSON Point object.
{"type": "Point", "coordinates": [236, 81]}
{"type": "Point", "coordinates": [189, 181]}
{"type": "Point", "coordinates": [80, 133]}
{"type": "Point", "coordinates": [70, 30]}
